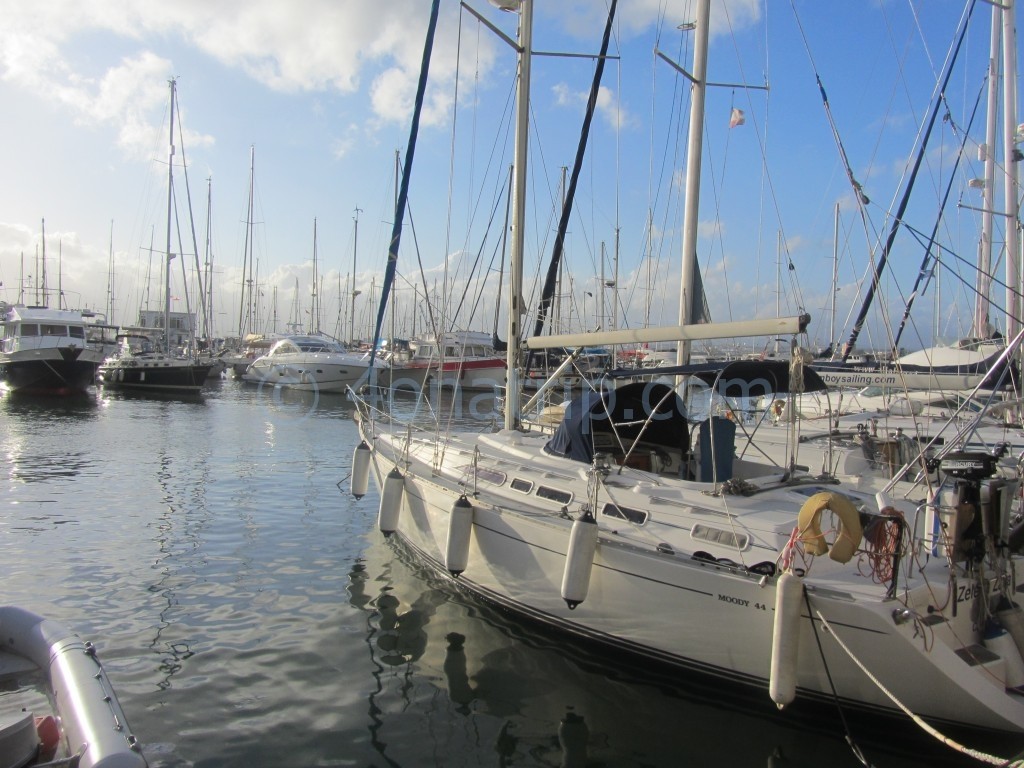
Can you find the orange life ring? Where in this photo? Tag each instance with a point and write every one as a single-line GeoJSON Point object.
{"type": "Point", "coordinates": [850, 529]}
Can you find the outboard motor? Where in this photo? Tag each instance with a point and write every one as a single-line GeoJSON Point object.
{"type": "Point", "coordinates": [978, 507]}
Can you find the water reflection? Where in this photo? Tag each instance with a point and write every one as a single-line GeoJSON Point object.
{"type": "Point", "coordinates": [29, 466]}
{"type": "Point", "coordinates": [48, 406]}
{"type": "Point", "coordinates": [27, 418]}
{"type": "Point", "coordinates": [128, 395]}
{"type": "Point", "coordinates": [527, 697]}
{"type": "Point", "coordinates": [456, 675]}
{"type": "Point", "coordinates": [211, 566]}
{"type": "Point", "coordinates": [299, 402]}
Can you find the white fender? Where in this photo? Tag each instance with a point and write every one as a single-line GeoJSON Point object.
{"type": "Point", "coordinates": [361, 469]}
{"type": "Point", "coordinates": [785, 639]}
{"type": "Point", "coordinates": [579, 560]}
{"type": "Point", "coordinates": [460, 530]}
{"type": "Point", "coordinates": [391, 501]}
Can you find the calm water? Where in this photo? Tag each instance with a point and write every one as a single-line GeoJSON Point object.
{"type": "Point", "coordinates": [249, 614]}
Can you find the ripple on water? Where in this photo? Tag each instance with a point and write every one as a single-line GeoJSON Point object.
{"type": "Point", "coordinates": [249, 614]}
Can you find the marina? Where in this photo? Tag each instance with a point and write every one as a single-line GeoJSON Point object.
{"type": "Point", "coordinates": [249, 613]}
{"type": "Point", "coordinates": [475, 523]}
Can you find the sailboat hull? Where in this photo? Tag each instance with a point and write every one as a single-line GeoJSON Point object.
{"type": "Point", "coordinates": [160, 375]}
{"type": "Point", "coordinates": [711, 616]}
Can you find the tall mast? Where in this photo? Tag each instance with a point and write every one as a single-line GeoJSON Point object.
{"type": "Point", "coordinates": [352, 306]}
{"type": "Point", "coordinates": [1013, 272]}
{"type": "Point", "coordinates": [981, 311]}
{"type": "Point", "coordinates": [515, 306]}
{"type": "Point", "coordinates": [167, 250]}
{"type": "Point", "coordinates": [314, 315]}
{"type": "Point", "coordinates": [698, 87]}
{"type": "Point", "coordinates": [42, 268]}
{"type": "Point", "coordinates": [208, 261]}
{"type": "Point", "coordinates": [110, 276]}
{"type": "Point", "coordinates": [835, 284]}
{"type": "Point", "coordinates": [245, 307]}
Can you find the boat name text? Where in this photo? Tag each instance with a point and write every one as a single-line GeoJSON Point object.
{"type": "Point", "coordinates": [733, 600]}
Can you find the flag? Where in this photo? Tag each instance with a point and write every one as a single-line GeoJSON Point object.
{"type": "Point", "coordinates": [736, 118]}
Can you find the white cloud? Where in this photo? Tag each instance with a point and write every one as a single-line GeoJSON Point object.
{"type": "Point", "coordinates": [710, 228]}
{"type": "Point", "coordinates": [304, 45]}
{"type": "Point", "coordinates": [607, 107]}
{"type": "Point", "coordinates": [582, 17]}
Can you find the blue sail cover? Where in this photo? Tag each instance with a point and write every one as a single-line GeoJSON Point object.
{"type": "Point", "coordinates": [651, 408]}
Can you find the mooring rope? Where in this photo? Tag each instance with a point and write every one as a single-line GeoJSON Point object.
{"type": "Point", "coordinates": [976, 754]}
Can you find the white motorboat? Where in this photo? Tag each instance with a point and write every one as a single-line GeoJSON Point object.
{"type": "Point", "coordinates": [309, 363]}
{"type": "Point", "coordinates": [46, 351]}
{"type": "Point", "coordinates": [57, 705]}
{"type": "Point", "coordinates": [321, 364]}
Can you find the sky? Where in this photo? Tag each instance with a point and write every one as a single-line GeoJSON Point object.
{"type": "Point", "coordinates": [309, 103]}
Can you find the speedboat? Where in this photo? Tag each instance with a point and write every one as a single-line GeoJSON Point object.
{"type": "Point", "coordinates": [309, 363]}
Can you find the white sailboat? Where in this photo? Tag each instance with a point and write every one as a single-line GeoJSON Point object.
{"type": "Point", "coordinates": [639, 531]}
{"type": "Point", "coordinates": [138, 364]}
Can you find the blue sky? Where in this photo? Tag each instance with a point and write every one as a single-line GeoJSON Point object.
{"type": "Point", "coordinates": [323, 91]}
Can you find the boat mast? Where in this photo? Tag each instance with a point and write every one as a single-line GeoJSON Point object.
{"type": "Point", "coordinates": [42, 267]}
{"type": "Point", "coordinates": [981, 327]}
{"type": "Point", "coordinates": [515, 305]}
{"type": "Point", "coordinates": [170, 200]}
{"type": "Point", "coordinates": [698, 88]}
{"type": "Point", "coordinates": [209, 263]}
{"type": "Point", "coordinates": [352, 307]}
{"type": "Point", "coordinates": [835, 285]}
{"type": "Point", "coordinates": [314, 316]}
{"type": "Point", "coordinates": [245, 308]}
{"type": "Point", "coordinates": [403, 194]}
{"type": "Point", "coordinates": [110, 276]}
{"type": "Point", "coordinates": [1013, 276]}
